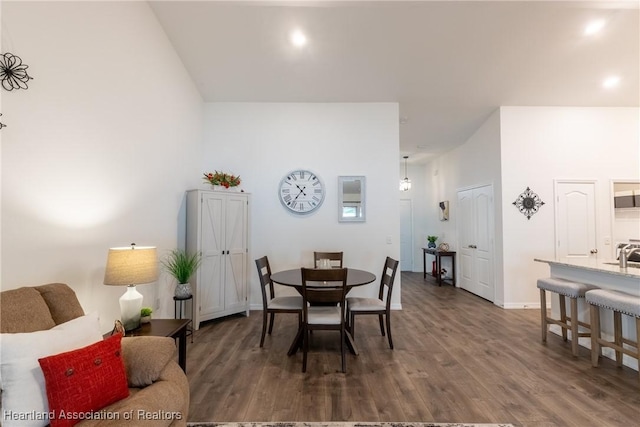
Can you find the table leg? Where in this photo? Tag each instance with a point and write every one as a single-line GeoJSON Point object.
{"type": "Point", "coordinates": [424, 265]}
{"type": "Point", "coordinates": [438, 270]}
{"type": "Point", "coordinates": [350, 342]}
{"type": "Point", "coordinates": [297, 342]}
{"type": "Point", "coordinates": [182, 349]}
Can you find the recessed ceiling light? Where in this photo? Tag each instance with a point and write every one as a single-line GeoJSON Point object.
{"type": "Point", "coordinates": [298, 38]}
{"type": "Point", "coordinates": [611, 82]}
{"type": "Point", "coordinates": [594, 27]}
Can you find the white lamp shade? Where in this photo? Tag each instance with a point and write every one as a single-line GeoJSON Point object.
{"type": "Point", "coordinates": [131, 265]}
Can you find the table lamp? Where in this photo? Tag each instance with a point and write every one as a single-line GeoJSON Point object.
{"type": "Point", "coordinates": [130, 266]}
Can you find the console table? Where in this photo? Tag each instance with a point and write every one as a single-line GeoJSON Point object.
{"type": "Point", "coordinates": [438, 254]}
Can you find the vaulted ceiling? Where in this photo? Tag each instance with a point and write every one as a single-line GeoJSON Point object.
{"type": "Point", "coordinates": [449, 64]}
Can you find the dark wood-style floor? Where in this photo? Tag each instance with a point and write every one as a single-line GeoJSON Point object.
{"type": "Point", "coordinates": [457, 358]}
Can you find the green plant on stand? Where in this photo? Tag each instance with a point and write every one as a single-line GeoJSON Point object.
{"type": "Point", "coordinates": [432, 241]}
{"type": "Point", "coordinates": [182, 265]}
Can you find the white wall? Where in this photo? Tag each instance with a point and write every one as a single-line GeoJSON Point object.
{"type": "Point", "coordinates": [100, 148]}
{"type": "Point", "coordinates": [262, 142]}
{"type": "Point", "coordinates": [475, 163]}
{"type": "Point", "coordinates": [541, 144]}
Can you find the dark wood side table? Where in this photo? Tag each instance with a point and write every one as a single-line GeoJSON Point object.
{"type": "Point", "coordinates": [438, 254]}
{"type": "Point", "coordinates": [173, 328]}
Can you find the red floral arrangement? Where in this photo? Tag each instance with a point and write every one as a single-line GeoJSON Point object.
{"type": "Point", "coordinates": [220, 178]}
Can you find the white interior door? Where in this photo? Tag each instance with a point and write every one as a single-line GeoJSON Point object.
{"type": "Point", "coordinates": [406, 235]}
{"type": "Point", "coordinates": [466, 237]}
{"type": "Point", "coordinates": [575, 219]}
{"type": "Point", "coordinates": [475, 241]}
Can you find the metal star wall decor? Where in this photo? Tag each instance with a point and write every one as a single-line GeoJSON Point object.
{"type": "Point", "coordinates": [2, 125]}
{"type": "Point", "coordinates": [13, 73]}
{"type": "Point", "coordinates": [528, 203]}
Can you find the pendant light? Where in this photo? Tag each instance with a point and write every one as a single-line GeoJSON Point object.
{"type": "Point", "coordinates": [405, 184]}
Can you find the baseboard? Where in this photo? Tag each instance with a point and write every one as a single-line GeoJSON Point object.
{"type": "Point", "coordinates": [522, 305]}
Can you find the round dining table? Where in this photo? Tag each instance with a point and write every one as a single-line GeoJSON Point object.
{"type": "Point", "coordinates": [293, 278]}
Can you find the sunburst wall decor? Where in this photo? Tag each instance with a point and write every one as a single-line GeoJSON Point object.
{"type": "Point", "coordinates": [528, 203]}
{"type": "Point", "coordinates": [13, 73]}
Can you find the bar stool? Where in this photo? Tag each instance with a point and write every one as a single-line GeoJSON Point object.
{"type": "Point", "coordinates": [573, 291]}
{"type": "Point", "coordinates": [621, 303]}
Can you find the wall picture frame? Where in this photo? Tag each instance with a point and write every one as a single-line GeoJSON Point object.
{"type": "Point", "coordinates": [444, 210]}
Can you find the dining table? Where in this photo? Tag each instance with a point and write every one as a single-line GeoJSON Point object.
{"type": "Point", "coordinates": [293, 278]}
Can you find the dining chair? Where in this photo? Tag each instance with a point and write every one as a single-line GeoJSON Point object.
{"type": "Point", "coordinates": [272, 304]}
{"type": "Point", "coordinates": [335, 258]}
{"type": "Point", "coordinates": [380, 305]}
{"type": "Point", "coordinates": [330, 287]}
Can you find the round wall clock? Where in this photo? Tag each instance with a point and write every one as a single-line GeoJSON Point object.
{"type": "Point", "coordinates": [301, 191]}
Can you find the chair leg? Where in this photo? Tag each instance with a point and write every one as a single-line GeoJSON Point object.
{"type": "Point", "coordinates": [574, 326]}
{"type": "Point", "coordinates": [344, 360]}
{"type": "Point", "coordinates": [563, 316]}
{"type": "Point", "coordinates": [617, 333]}
{"type": "Point", "coordinates": [388, 316]}
{"type": "Point", "coordinates": [352, 325]}
{"type": "Point", "coordinates": [595, 334]}
{"type": "Point", "coordinates": [543, 314]}
{"type": "Point", "coordinates": [381, 324]}
{"type": "Point", "coordinates": [305, 348]}
{"type": "Point", "coordinates": [273, 317]}
{"type": "Point", "coordinates": [264, 327]}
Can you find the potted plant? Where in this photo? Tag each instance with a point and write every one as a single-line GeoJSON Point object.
{"type": "Point", "coordinates": [182, 265]}
{"type": "Point", "coordinates": [145, 314]}
{"type": "Point", "coordinates": [432, 241]}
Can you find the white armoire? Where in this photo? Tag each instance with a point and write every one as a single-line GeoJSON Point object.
{"type": "Point", "coordinates": [218, 228]}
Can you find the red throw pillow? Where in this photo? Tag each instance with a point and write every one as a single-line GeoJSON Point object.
{"type": "Point", "coordinates": [83, 381]}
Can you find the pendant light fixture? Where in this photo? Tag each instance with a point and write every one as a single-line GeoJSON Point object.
{"type": "Point", "coordinates": [405, 184]}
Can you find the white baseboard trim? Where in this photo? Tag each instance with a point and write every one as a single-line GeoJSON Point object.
{"type": "Point", "coordinates": [523, 305]}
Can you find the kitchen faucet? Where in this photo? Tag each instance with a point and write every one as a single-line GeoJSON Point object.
{"type": "Point", "coordinates": [625, 253]}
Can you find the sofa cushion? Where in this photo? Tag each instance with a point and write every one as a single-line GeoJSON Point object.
{"type": "Point", "coordinates": [143, 370]}
{"type": "Point", "coordinates": [24, 310]}
{"type": "Point", "coordinates": [21, 379]}
{"type": "Point", "coordinates": [84, 381]}
{"type": "Point", "coordinates": [62, 302]}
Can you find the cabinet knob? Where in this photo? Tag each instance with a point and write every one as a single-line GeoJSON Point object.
{"type": "Point", "coordinates": [594, 251]}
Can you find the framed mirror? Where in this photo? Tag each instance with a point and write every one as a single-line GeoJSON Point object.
{"type": "Point", "coordinates": [351, 199]}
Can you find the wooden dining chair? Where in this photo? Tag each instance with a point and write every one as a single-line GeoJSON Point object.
{"type": "Point", "coordinates": [380, 306]}
{"type": "Point", "coordinates": [330, 287]}
{"type": "Point", "coordinates": [272, 304]}
{"type": "Point", "coordinates": [335, 258]}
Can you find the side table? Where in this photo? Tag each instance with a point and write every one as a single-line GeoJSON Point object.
{"type": "Point", "coordinates": [173, 328]}
{"type": "Point", "coordinates": [438, 254]}
{"type": "Point", "coordinates": [179, 310]}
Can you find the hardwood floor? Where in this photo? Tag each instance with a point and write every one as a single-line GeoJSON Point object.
{"type": "Point", "coordinates": [457, 358]}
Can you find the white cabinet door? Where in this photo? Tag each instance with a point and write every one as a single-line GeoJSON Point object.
{"type": "Point", "coordinates": [210, 286]}
{"type": "Point", "coordinates": [475, 241]}
{"type": "Point", "coordinates": [575, 219]}
{"type": "Point", "coordinates": [236, 253]}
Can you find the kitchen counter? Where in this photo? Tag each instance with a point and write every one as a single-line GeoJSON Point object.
{"type": "Point", "coordinates": [606, 266]}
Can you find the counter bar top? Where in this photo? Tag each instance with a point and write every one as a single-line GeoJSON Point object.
{"type": "Point", "coordinates": [598, 265]}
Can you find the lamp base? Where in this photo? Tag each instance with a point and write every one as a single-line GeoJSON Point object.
{"type": "Point", "coordinates": [130, 305]}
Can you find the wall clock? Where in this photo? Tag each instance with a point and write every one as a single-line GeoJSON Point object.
{"type": "Point", "coordinates": [301, 191]}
